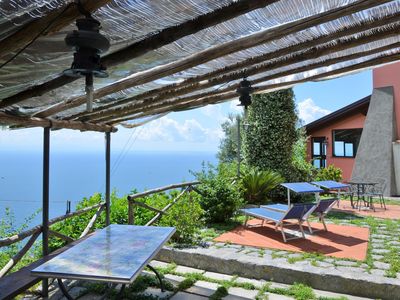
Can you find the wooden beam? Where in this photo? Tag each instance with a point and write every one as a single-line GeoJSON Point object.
{"type": "Point", "coordinates": [159, 215]}
{"type": "Point", "coordinates": [92, 221]}
{"type": "Point", "coordinates": [7, 119]}
{"type": "Point", "coordinates": [217, 51]}
{"type": "Point", "coordinates": [55, 20]}
{"type": "Point", "coordinates": [17, 257]}
{"type": "Point", "coordinates": [61, 236]}
{"type": "Point", "coordinates": [154, 41]}
{"type": "Point", "coordinates": [161, 189]}
{"type": "Point", "coordinates": [383, 59]}
{"type": "Point", "coordinates": [20, 236]}
{"type": "Point", "coordinates": [308, 54]}
{"type": "Point", "coordinates": [355, 29]}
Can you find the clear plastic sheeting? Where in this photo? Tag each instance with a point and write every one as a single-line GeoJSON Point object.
{"type": "Point", "coordinates": [126, 21]}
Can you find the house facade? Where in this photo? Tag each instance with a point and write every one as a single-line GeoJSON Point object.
{"type": "Point", "coordinates": [361, 138]}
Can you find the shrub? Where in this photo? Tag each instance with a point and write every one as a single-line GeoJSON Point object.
{"type": "Point", "coordinates": [257, 184]}
{"type": "Point", "coordinates": [329, 173]}
{"type": "Point", "coordinates": [221, 193]}
{"type": "Point", "coordinates": [185, 215]}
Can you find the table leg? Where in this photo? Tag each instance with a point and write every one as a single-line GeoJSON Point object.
{"type": "Point", "coordinates": [158, 276]}
{"type": "Point", "coordinates": [64, 290]}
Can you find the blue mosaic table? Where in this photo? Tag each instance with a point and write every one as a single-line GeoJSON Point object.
{"type": "Point", "coordinates": [116, 254]}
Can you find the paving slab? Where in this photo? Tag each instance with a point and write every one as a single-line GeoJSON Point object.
{"type": "Point", "coordinates": [218, 276]}
{"type": "Point", "coordinates": [157, 293]}
{"type": "Point", "coordinates": [188, 270]}
{"type": "Point", "coordinates": [326, 294]}
{"type": "Point", "coordinates": [272, 296]}
{"type": "Point", "coordinates": [381, 265]}
{"type": "Point", "coordinates": [203, 288]}
{"type": "Point", "coordinates": [257, 283]}
{"type": "Point", "coordinates": [243, 293]}
{"type": "Point", "coordinates": [174, 279]}
{"type": "Point", "coordinates": [159, 264]}
{"type": "Point", "coordinates": [186, 296]}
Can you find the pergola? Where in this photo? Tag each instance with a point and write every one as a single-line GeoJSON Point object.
{"type": "Point", "coordinates": [168, 56]}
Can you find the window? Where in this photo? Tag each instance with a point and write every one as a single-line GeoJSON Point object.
{"type": "Point", "coordinates": [345, 142]}
{"type": "Point", "coordinates": [319, 152]}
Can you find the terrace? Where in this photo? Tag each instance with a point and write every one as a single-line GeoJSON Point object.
{"type": "Point", "coordinates": [170, 56]}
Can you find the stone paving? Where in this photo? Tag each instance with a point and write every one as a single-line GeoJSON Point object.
{"type": "Point", "coordinates": [207, 286]}
{"type": "Point", "coordinates": [376, 277]}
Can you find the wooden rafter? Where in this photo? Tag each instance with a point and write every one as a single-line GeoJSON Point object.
{"type": "Point", "coordinates": [7, 119]}
{"type": "Point", "coordinates": [217, 51]}
{"type": "Point", "coordinates": [228, 95]}
{"type": "Point", "coordinates": [154, 41]}
{"type": "Point", "coordinates": [309, 54]}
{"type": "Point", "coordinates": [355, 29]}
{"type": "Point", "coordinates": [57, 18]}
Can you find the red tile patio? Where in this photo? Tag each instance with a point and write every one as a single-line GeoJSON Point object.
{"type": "Point", "coordinates": [340, 241]}
{"type": "Point", "coordinates": [392, 211]}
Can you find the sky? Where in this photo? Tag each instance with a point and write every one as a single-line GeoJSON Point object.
{"type": "Point", "coordinates": [193, 130]}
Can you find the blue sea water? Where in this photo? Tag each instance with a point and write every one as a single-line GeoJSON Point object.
{"type": "Point", "coordinates": [77, 175]}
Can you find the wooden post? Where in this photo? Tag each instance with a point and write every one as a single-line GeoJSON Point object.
{"type": "Point", "coordinates": [108, 158]}
{"type": "Point", "coordinates": [45, 208]}
{"type": "Point", "coordinates": [131, 212]}
{"type": "Point", "coordinates": [238, 145]}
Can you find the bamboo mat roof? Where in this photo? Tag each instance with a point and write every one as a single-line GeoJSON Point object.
{"type": "Point", "coordinates": [176, 55]}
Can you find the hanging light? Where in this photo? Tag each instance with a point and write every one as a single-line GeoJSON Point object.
{"type": "Point", "coordinates": [88, 43]}
{"type": "Point", "coordinates": [244, 90]}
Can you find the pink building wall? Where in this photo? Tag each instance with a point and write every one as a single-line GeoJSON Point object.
{"type": "Point", "coordinates": [344, 163]}
{"type": "Point", "coordinates": [389, 75]}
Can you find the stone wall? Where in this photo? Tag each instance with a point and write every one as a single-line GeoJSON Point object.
{"type": "Point", "coordinates": [374, 160]}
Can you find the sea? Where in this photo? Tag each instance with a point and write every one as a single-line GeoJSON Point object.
{"type": "Point", "coordinates": [77, 175]}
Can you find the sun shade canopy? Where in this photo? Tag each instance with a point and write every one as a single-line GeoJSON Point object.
{"type": "Point", "coordinates": [302, 187]}
{"type": "Point", "coordinates": [170, 56]}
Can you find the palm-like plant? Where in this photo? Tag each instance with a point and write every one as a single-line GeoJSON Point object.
{"type": "Point", "coordinates": [257, 184]}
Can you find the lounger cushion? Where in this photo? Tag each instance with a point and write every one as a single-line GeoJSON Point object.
{"type": "Point", "coordinates": [262, 213]}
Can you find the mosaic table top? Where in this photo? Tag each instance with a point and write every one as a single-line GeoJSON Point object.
{"type": "Point", "coordinates": [117, 253]}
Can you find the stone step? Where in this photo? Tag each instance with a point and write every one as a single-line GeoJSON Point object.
{"type": "Point", "coordinates": [228, 261]}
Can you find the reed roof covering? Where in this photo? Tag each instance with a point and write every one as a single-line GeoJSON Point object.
{"type": "Point", "coordinates": [176, 55]}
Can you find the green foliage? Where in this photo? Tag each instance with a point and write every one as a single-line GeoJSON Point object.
{"type": "Point", "coordinates": [306, 171]}
{"type": "Point", "coordinates": [268, 142]}
{"type": "Point", "coordinates": [257, 184]}
{"type": "Point", "coordinates": [302, 292]}
{"type": "Point", "coordinates": [229, 143]}
{"type": "Point", "coordinates": [185, 215]}
{"type": "Point", "coordinates": [329, 173]}
{"type": "Point", "coordinates": [220, 194]}
{"type": "Point", "coordinates": [8, 228]}
{"type": "Point", "coordinates": [220, 293]}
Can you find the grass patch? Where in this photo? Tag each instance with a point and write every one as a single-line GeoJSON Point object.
{"type": "Point", "coordinates": [220, 293]}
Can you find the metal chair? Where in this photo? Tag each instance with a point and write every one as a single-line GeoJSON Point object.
{"type": "Point", "coordinates": [377, 192]}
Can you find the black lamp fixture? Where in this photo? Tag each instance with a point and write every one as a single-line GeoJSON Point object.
{"type": "Point", "coordinates": [88, 43]}
{"type": "Point", "coordinates": [245, 90]}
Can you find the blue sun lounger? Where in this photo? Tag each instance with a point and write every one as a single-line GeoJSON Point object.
{"type": "Point", "coordinates": [299, 212]}
{"type": "Point", "coordinates": [321, 209]}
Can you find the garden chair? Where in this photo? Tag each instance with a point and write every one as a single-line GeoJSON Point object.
{"type": "Point", "coordinates": [321, 209]}
{"type": "Point", "coordinates": [377, 192]}
{"type": "Point", "coordinates": [350, 192]}
{"type": "Point", "coordinates": [299, 212]}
